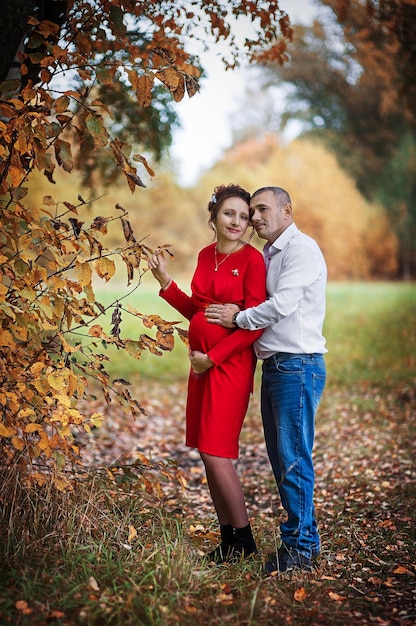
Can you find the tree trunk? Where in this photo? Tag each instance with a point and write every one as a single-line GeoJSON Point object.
{"type": "Point", "coordinates": [14, 15]}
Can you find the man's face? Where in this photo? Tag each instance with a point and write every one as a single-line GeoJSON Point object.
{"type": "Point", "coordinates": [270, 219]}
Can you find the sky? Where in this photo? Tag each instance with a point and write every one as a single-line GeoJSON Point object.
{"type": "Point", "coordinates": [205, 119]}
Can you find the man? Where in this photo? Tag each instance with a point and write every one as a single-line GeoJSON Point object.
{"type": "Point", "coordinates": [292, 348]}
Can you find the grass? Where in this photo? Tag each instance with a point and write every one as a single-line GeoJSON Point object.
{"type": "Point", "coordinates": [365, 324]}
{"type": "Point", "coordinates": [74, 558]}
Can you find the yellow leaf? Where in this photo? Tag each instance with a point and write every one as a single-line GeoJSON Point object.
{"type": "Point", "coordinates": [26, 413]}
{"type": "Point", "coordinates": [84, 274]}
{"type": "Point", "coordinates": [18, 443]}
{"type": "Point", "coordinates": [132, 533]}
{"type": "Point", "coordinates": [66, 346]}
{"type": "Point", "coordinates": [57, 380]}
{"type": "Point", "coordinates": [181, 478]}
{"type": "Point", "coordinates": [37, 368]}
{"type": "Point", "coordinates": [20, 332]}
{"type": "Point", "coordinates": [46, 308]}
{"type": "Point", "coordinates": [170, 78]}
{"type": "Point", "coordinates": [32, 428]}
{"type": "Point", "coordinates": [105, 268]}
{"type": "Point", "coordinates": [400, 569]}
{"type": "Point", "coordinates": [97, 419]}
{"type": "Point", "coordinates": [5, 431]}
{"type": "Point", "coordinates": [44, 442]}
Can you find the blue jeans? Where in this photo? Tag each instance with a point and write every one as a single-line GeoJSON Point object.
{"type": "Point", "coordinates": [292, 386]}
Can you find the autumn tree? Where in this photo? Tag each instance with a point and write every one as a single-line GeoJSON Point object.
{"type": "Point", "coordinates": [350, 79]}
{"type": "Point", "coordinates": [75, 67]}
{"type": "Point", "coordinates": [368, 251]}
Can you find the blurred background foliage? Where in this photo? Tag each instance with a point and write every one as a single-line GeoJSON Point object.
{"type": "Point", "coordinates": [349, 84]}
{"type": "Point", "coordinates": [354, 233]}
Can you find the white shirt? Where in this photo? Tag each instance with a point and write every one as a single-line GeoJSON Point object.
{"type": "Point", "coordinates": [293, 315]}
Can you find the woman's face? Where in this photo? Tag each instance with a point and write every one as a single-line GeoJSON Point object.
{"type": "Point", "coordinates": [232, 220]}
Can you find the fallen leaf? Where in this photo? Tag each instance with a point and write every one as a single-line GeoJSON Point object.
{"type": "Point", "coordinates": [336, 597]}
{"type": "Point", "coordinates": [300, 594]}
{"type": "Point", "coordinates": [92, 584]}
{"type": "Point", "coordinates": [132, 533]}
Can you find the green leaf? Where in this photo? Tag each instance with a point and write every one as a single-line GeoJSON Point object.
{"type": "Point", "coordinates": [96, 127]}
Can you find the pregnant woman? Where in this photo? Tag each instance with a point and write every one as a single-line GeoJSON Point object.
{"type": "Point", "coordinates": [222, 359]}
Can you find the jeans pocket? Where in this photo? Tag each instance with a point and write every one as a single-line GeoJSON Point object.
{"type": "Point", "coordinates": [290, 366]}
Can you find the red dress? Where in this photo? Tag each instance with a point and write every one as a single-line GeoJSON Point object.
{"type": "Point", "coordinates": [218, 399]}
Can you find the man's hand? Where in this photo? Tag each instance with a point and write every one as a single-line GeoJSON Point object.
{"type": "Point", "coordinates": [200, 362]}
{"type": "Point", "coordinates": [221, 314]}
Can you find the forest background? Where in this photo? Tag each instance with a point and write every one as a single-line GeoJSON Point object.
{"type": "Point", "coordinates": [87, 191]}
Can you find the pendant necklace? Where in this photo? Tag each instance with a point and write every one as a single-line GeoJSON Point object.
{"type": "Point", "coordinates": [225, 258]}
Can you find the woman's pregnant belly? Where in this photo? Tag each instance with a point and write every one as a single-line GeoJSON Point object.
{"type": "Point", "coordinates": [204, 336]}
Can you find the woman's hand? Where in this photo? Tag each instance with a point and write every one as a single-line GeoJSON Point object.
{"type": "Point", "coordinates": [200, 362]}
{"type": "Point", "coordinates": [157, 265]}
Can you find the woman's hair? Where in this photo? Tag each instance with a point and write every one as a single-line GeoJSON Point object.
{"type": "Point", "coordinates": [222, 193]}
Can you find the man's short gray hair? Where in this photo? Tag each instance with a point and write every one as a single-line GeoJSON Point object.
{"type": "Point", "coordinates": [281, 195]}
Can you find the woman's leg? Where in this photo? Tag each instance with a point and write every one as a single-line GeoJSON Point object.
{"type": "Point", "coordinates": [226, 490]}
{"type": "Point", "coordinates": [237, 541]}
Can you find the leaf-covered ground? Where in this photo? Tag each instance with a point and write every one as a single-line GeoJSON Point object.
{"type": "Point", "coordinates": [365, 494]}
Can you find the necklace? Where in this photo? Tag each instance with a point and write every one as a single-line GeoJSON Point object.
{"type": "Point", "coordinates": [225, 258]}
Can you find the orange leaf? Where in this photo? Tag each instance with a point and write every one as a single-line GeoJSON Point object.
{"type": "Point", "coordinates": [95, 331]}
{"type": "Point", "coordinates": [47, 28]}
{"type": "Point", "coordinates": [22, 605]}
{"type": "Point", "coordinates": [6, 339]}
{"type": "Point", "coordinates": [133, 78]}
{"type": "Point", "coordinates": [63, 154]}
{"type": "Point", "coordinates": [300, 594]}
{"type": "Point", "coordinates": [61, 104]}
{"type": "Point", "coordinates": [179, 92]}
{"type": "Point", "coordinates": [144, 89]}
{"type": "Point", "coordinates": [336, 597]}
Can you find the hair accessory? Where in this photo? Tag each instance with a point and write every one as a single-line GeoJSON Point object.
{"type": "Point", "coordinates": [213, 198]}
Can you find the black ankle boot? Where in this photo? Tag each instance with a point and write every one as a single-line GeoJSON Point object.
{"type": "Point", "coordinates": [222, 552]}
{"type": "Point", "coordinates": [243, 544]}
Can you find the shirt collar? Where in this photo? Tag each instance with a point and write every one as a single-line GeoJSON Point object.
{"type": "Point", "coordinates": [282, 240]}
